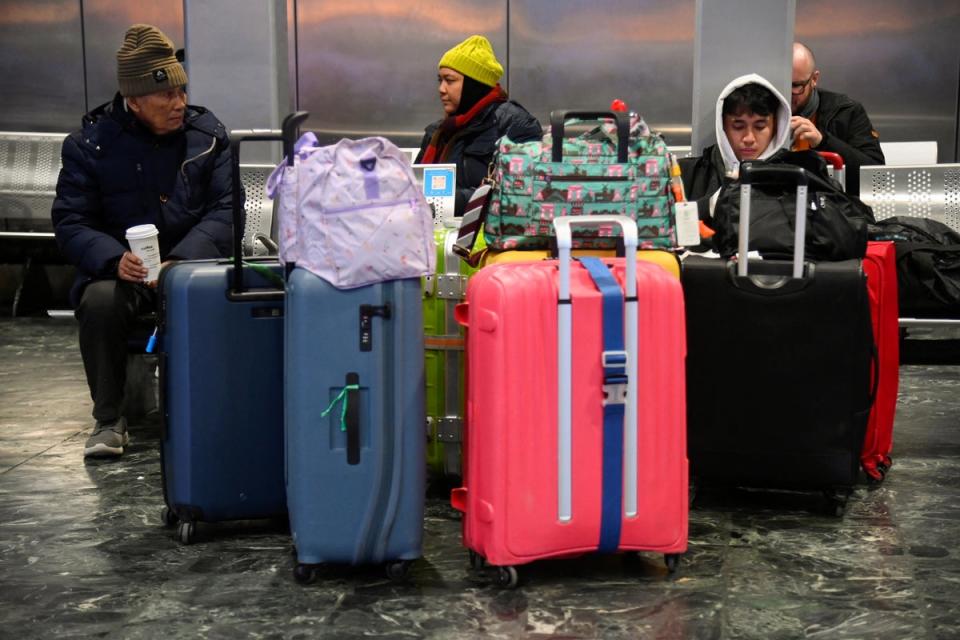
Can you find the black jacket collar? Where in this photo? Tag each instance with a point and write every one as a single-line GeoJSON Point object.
{"type": "Point", "coordinates": [106, 121]}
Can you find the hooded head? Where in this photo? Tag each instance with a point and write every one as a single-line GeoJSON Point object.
{"type": "Point", "coordinates": [753, 120]}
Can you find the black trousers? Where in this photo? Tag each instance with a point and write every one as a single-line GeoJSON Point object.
{"type": "Point", "coordinates": [108, 313]}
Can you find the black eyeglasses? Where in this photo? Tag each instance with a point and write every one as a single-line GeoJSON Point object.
{"type": "Point", "coordinates": [798, 87]}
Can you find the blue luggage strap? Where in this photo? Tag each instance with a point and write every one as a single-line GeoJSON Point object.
{"type": "Point", "coordinates": [614, 359]}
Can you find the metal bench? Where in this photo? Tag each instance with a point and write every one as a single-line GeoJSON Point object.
{"type": "Point", "coordinates": [922, 191]}
{"type": "Point", "coordinates": [29, 167]}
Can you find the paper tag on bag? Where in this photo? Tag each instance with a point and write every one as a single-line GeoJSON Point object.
{"type": "Point", "coordinates": [688, 227]}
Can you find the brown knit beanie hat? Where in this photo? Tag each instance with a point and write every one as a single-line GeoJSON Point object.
{"type": "Point", "coordinates": [146, 62]}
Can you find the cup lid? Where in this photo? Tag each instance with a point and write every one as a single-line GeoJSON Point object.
{"type": "Point", "coordinates": [141, 231]}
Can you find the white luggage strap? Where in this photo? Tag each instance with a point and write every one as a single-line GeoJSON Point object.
{"type": "Point", "coordinates": [565, 354]}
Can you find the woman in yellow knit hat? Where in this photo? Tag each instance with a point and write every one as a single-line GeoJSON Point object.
{"type": "Point", "coordinates": [476, 114]}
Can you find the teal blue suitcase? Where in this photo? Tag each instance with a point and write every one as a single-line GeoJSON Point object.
{"type": "Point", "coordinates": [355, 413]}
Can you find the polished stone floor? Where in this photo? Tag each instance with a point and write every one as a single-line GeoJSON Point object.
{"type": "Point", "coordinates": [83, 552]}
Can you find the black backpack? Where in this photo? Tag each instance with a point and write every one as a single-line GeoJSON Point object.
{"type": "Point", "coordinates": [836, 222]}
{"type": "Point", "coordinates": [928, 265]}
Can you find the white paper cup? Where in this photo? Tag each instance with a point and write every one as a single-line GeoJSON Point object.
{"type": "Point", "coordinates": [144, 243]}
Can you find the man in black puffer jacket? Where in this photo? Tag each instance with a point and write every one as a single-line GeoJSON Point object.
{"type": "Point", "coordinates": [828, 121]}
{"type": "Point", "coordinates": [144, 158]}
{"type": "Point", "coordinates": [477, 112]}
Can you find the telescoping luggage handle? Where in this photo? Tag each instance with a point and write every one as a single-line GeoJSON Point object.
{"type": "Point", "coordinates": [750, 174]}
{"type": "Point", "coordinates": [559, 118]}
{"type": "Point", "coordinates": [836, 161]}
{"type": "Point", "coordinates": [287, 136]}
{"type": "Point", "coordinates": [562, 227]}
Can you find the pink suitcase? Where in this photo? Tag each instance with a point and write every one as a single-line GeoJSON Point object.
{"type": "Point", "coordinates": [545, 475]}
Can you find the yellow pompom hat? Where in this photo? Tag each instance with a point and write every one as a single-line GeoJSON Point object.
{"type": "Point", "coordinates": [474, 58]}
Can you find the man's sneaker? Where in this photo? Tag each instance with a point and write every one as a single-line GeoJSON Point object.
{"type": "Point", "coordinates": [107, 439]}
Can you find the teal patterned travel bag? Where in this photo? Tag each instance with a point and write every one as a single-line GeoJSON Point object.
{"type": "Point", "coordinates": [618, 167]}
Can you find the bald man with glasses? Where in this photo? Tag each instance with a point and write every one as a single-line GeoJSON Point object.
{"type": "Point", "coordinates": [828, 121]}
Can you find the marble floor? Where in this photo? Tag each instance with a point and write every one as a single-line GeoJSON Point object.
{"type": "Point", "coordinates": [83, 552]}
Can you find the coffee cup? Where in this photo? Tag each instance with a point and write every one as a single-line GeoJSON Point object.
{"type": "Point", "coordinates": [144, 243]}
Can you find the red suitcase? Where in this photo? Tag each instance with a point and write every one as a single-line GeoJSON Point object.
{"type": "Point", "coordinates": [554, 473]}
{"type": "Point", "coordinates": [880, 266]}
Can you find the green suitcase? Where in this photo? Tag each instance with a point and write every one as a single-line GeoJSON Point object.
{"type": "Point", "coordinates": [444, 355]}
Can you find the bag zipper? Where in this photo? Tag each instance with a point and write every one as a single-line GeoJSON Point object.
{"type": "Point", "coordinates": [369, 205]}
{"type": "Point", "coordinates": [588, 178]}
{"type": "Point", "coordinates": [183, 167]}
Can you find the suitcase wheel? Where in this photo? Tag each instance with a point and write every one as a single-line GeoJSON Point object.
{"type": "Point", "coordinates": [168, 517]}
{"type": "Point", "coordinates": [507, 577]}
{"type": "Point", "coordinates": [672, 560]}
{"type": "Point", "coordinates": [884, 466]}
{"type": "Point", "coordinates": [305, 573]}
{"type": "Point", "coordinates": [187, 532]}
{"type": "Point", "coordinates": [476, 560]}
{"type": "Point", "coordinates": [874, 481]}
{"type": "Point", "coordinates": [836, 501]}
{"type": "Point", "coordinates": [398, 570]}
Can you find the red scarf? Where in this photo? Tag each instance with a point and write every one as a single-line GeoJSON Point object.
{"type": "Point", "coordinates": [439, 146]}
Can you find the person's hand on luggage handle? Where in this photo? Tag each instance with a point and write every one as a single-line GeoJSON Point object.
{"type": "Point", "coordinates": [803, 129]}
{"type": "Point", "coordinates": [131, 269]}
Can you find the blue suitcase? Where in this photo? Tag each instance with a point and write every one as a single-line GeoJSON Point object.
{"type": "Point", "coordinates": [354, 423]}
{"type": "Point", "coordinates": [221, 381]}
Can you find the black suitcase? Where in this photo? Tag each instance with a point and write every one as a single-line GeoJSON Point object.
{"type": "Point", "coordinates": [779, 358]}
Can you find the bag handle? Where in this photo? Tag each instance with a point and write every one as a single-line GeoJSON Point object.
{"type": "Point", "coordinates": [753, 173]}
{"type": "Point", "coordinates": [365, 154]}
{"type": "Point", "coordinates": [564, 234]}
{"type": "Point", "coordinates": [348, 399]}
{"type": "Point", "coordinates": [559, 118]}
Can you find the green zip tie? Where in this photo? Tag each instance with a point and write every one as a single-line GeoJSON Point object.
{"type": "Point", "coordinates": [266, 272]}
{"type": "Point", "coordinates": [263, 270]}
{"type": "Point", "coordinates": [343, 409]}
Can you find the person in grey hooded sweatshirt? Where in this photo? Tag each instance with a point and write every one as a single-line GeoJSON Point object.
{"type": "Point", "coordinates": [752, 123]}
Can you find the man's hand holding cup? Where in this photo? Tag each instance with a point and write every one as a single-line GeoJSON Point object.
{"type": "Point", "coordinates": [142, 262]}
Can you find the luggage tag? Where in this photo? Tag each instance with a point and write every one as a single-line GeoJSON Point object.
{"type": "Point", "coordinates": [474, 215]}
{"type": "Point", "coordinates": [688, 224]}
